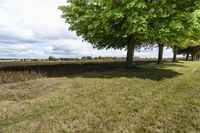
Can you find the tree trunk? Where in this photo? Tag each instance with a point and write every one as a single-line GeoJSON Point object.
{"type": "Point", "coordinates": [198, 56]}
{"type": "Point", "coordinates": [192, 59]}
{"type": "Point", "coordinates": [187, 56]}
{"type": "Point", "coordinates": [130, 52]}
{"type": "Point", "coordinates": [175, 54]}
{"type": "Point", "coordinates": [160, 53]}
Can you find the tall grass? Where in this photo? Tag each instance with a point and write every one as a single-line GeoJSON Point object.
{"type": "Point", "coordinates": [23, 71]}
{"type": "Point", "coordinates": [10, 77]}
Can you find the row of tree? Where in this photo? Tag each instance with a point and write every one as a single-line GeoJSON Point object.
{"type": "Point", "coordinates": [132, 24]}
{"type": "Point", "coordinates": [193, 51]}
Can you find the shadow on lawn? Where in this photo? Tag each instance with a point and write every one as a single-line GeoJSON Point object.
{"type": "Point", "coordinates": [172, 64]}
{"type": "Point", "coordinates": [153, 73]}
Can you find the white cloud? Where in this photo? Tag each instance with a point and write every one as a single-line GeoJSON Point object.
{"type": "Point", "coordinates": [34, 29]}
{"type": "Point", "coordinates": [33, 18]}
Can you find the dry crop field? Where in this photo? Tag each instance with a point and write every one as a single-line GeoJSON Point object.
{"type": "Point", "coordinates": [22, 71]}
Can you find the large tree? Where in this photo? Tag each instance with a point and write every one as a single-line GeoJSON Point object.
{"type": "Point", "coordinates": [111, 23]}
{"type": "Point", "coordinates": [189, 33]}
{"type": "Point", "coordinates": [178, 21]}
{"type": "Point", "coordinates": [122, 23]}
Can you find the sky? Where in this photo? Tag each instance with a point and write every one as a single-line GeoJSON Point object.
{"type": "Point", "coordinates": [35, 29]}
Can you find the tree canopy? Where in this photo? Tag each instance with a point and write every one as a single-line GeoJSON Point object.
{"type": "Point", "coordinates": [130, 23]}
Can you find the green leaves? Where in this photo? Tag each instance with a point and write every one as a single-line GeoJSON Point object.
{"type": "Point", "coordinates": [136, 24]}
{"type": "Point", "coordinates": [131, 4]}
{"type": "Point", "coordinates": [141, 5]}
{"type": "Point", "coordinates": [176, 25]}
{"type": "Point", "coordinates": [108, 23]}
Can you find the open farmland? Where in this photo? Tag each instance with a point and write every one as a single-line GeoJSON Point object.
{"type": "Point", "coordinates": [149, 98]}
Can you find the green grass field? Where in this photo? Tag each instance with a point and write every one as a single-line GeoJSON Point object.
{"type": "Point", "coordinates": [151, 98]}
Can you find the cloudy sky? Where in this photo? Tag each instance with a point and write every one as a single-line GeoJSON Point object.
{"type": "Point", "coordinates": [34, 29]}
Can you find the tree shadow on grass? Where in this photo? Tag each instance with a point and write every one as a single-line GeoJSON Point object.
{"type": "Point", "coordinates": [152, 73]}
{"type": "Point", "coordinates": [93, 70]}
{"type": "Point", "coordinates": [172, 64]}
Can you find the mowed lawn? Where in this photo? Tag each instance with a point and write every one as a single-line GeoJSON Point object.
{"type": "Point", "coordinates": [150, 98]}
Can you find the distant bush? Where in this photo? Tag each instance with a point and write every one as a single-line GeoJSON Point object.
{"type": "Point", "coordinates": [86, 58]}
{"type": "Point", "coordinates": [110, 58]}
{"type": "Point", "coordinates": [35, 60]}
{"type": "Point", "coordinates": [69, 59]}
{"type": "Point", "coordinates": [51, 58]}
